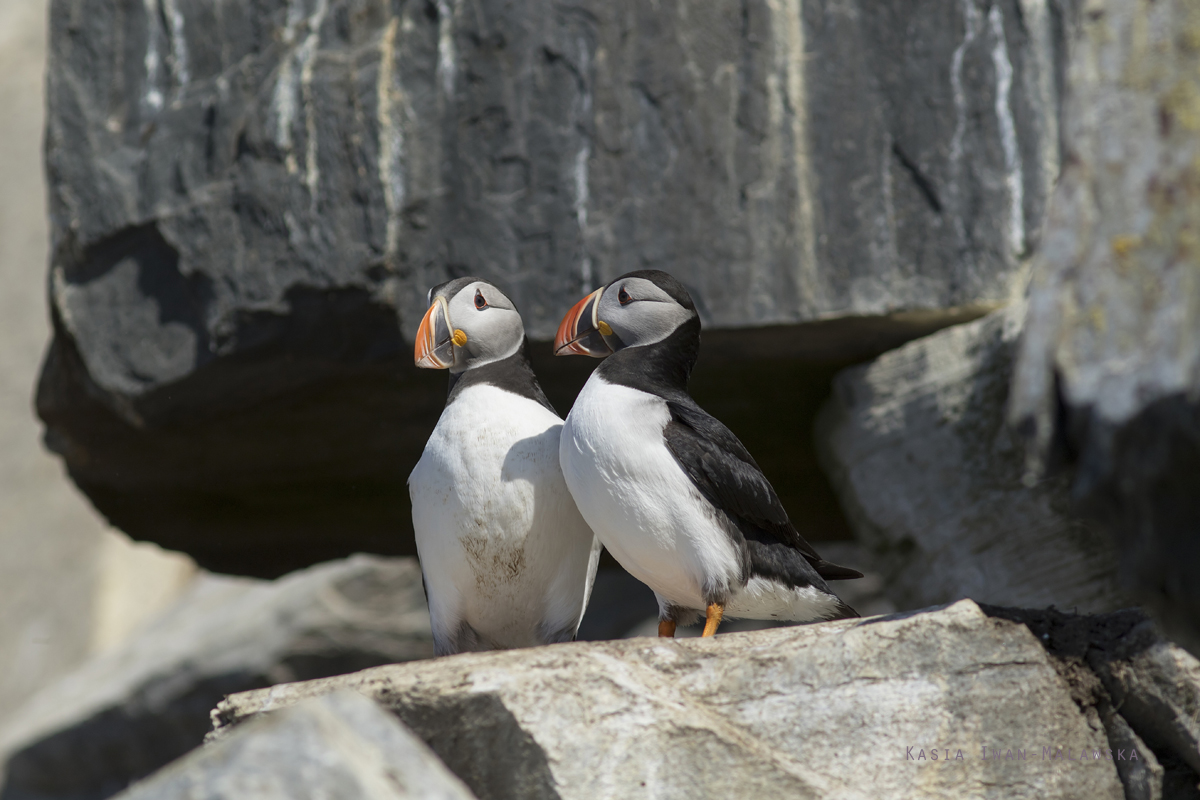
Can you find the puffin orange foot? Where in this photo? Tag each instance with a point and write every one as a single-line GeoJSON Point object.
{"type": "Point", "coordinates": [713, 619]}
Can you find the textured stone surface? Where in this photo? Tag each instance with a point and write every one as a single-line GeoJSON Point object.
{"type": "Point", "coordinates": [1158, 691]}
{"type": "Point", "coordinates": [1142, 779]}
{"type": "Point", "coordinates": [124, 714]}
{"type": "Point", "coordinates": [917, 445]}
{"type": "Point", "coordinates": [250, 201]}
{"type": "Point", "coordinates": [1108, 379]}
{"type": "Point", "coordinates": [339, 746]}
{"type": "Point", "coordinates": [1143, 688]}
{"type": "Point", "coordinates": [814, 711]}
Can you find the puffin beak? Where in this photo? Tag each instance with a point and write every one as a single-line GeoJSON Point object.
{"type": "Point", "coordinates": [579, 331]}
{"type": "Point", "coordinates": [435, 338]}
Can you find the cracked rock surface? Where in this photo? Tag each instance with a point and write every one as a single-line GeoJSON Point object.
{"type": "Point", "coordinates": [1144, 689]}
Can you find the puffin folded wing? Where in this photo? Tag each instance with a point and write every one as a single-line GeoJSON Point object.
{"type": "Point", "coordinates": [725, 474]}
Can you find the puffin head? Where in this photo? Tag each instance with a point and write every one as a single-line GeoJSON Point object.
{"type": "Point", "coordinates": [637, 309]}
{"type": "Point", "coordinates": [469, 323]}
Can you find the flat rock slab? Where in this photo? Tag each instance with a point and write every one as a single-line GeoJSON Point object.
{"type": "Point", "coordinates": [843, 709]}
{"type": "Point", "coordinates": [337, 746]}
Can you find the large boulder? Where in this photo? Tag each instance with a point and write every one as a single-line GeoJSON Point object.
{"type": "Point", "coordinates": [338, 746]}
{"type": "Point", "coordinates": [249, 203]}
{"type": "Point", "coordinates": [125, 714]}
{"type": "Point", "coordinates": [948, 702]}
{"type": "Point", "coordinates": [933, 480]}
{"type": "Point", "coordinates": [1108, 377]}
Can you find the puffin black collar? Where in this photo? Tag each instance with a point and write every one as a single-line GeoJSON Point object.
{"type": "Point", "coordinates": [512, 374]}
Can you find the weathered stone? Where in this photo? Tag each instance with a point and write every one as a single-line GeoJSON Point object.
{"type": "Point", "coordinates": [918, 449]}
{"type": "Point", "coordinates": [338, 746]}
{"type": "Point", "coordinates": [1158, 691]}
{"type": "Point", "coordinates": [124, 714]}
{"type": "Point", "coordinates": [249, 203]}
{"type": "Point", "coordinates": [1143, 688]}
{"type": "Point", "coordinates": [1108, 378]}
{"type": "Point", "coordinates": [812, 711]}
{"type": "Point", "coordinates": [1142, 779]}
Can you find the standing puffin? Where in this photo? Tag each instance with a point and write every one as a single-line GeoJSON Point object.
{"type": "Point", "coordinates": [668, 489]}
{"type": "Point", "coordinates": [506, 557]}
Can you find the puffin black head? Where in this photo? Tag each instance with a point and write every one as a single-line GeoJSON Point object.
{"type": "Point", "coordinates": [469, 323]}
{"type": "Point", "coordinates": [637, 309]}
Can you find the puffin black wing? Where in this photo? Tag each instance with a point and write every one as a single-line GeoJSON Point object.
{"type": "Point", "coordinates": [726, 475]}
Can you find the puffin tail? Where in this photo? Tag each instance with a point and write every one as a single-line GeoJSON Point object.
{"type": "Point", "coordinates": [832, 572]}
{"type": "Point", "coordinates": [845, 612]}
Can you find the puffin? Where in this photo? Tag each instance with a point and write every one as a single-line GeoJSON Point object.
{"type": "Point", "coordinates": [507, 559]}
{"type": "Point", "coordinates": [669, 490]}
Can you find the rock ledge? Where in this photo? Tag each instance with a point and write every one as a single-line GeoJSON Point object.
{"type": "Point", "coordinates": [813, 711]}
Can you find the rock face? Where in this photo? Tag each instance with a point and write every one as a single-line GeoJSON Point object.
{"type": "Point", "coordinates": [249, 204]}
{"type": "Point", "coordinates": [340, 745]}
{"type": "Point", "coordinates": [1108, 378]}
{"type": "Point", "coordinates": [917, 445]}
{"type": "Point", "coordinates": [125, 714]}
{"type": "Point", "coordinates": [816, 711]}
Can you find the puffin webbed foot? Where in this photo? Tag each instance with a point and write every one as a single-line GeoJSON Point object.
{"type": "Point", "coordinates": [666, 629]}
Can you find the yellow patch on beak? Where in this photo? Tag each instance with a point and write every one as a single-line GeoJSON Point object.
{"type": "Point", "coordinates": [459, 337]}
{"type": "Point", "coordinates": [604, 328]}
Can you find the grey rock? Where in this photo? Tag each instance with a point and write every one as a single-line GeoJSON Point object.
{"type": "Point", "coordinates": [126, 713]}
{"type": "Point", "coordinates": [1107, 383]}
{"type": "Point", "coordinates": [339, 746]}
{"type": "Point", "coordinates": [1158, 691]}
{"type": "Point", "coordinates": [811, 711]}
{"type": "Point", "coordinates": [249, 203]}
{"type": "Point", "coordinates": [931, 477]}
{"type": "Point", "coordinates": [1142, 688]}
{"type": "Point", "coordinates": [1142, 779]}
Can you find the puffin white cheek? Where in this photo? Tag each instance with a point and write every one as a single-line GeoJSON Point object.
{"type": "Point", "coordinates": [648, 322]}
{"type": "Point", "coordinates": [493, 334]}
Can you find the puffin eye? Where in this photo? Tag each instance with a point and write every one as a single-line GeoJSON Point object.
{"type": "Point", "coordinates": [480, 302]}
{"type": "Point", "coordinates": [623, 297]}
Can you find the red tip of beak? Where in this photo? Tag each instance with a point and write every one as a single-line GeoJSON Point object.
{"type": "Point", "coordinates": [577, 334]}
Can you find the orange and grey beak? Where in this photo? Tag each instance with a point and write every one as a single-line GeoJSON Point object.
{"type": "Point", "coordinates": [579, 333]}
{"type": "Point", "coordinates": [436, 339]}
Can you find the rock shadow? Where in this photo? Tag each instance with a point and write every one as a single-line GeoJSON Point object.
{"type": "Point", "coordinates": [488, 750]}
